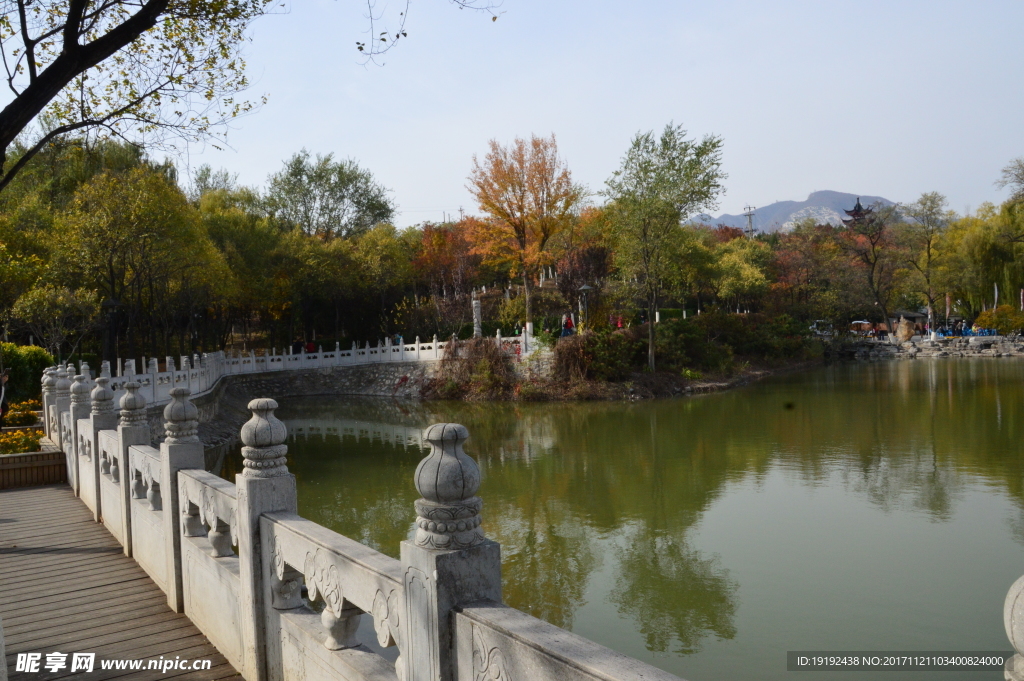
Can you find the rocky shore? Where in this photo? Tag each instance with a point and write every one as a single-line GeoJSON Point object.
{"type": "Point", "coordinates": [975, 346]}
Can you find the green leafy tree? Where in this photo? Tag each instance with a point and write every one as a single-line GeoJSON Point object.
{"type": "Point", "coordinates": [328, 198]}
{"type": "Point", "coordinates": [661, 182]}
{"type": "Point", "coordinates": [150, 69]}
{"type": "Point", "coordinates": [1012, 176]}
{"type": "Point", "coordinates": [58, 316]}
{"type": "Point", "coordinates": [874, 249]}
{"type": "Point", "coordinates": [385, 263]}
{"type": "Point", "coordinates": [922, 237]}
{"type": "Point", "coordinates": [136, 239]}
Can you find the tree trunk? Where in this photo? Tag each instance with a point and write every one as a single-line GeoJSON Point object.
{"type": "Point", "coordinates": [526, 293]}
{"type": "Point", "coordinates": [652, 302]}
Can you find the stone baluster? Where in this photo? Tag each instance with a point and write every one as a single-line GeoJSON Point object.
{"type": "Point", "coordinates": [104, 418]}
{"type": "Point", "coordinates": [49, 399]}
{"type": "Point", "coordinates": [62, 402]}
{"type": "Point", "coordinates": [180, 450]}
{"type": "Point", "coordinates": [264, 486]}
{"type": "Point", "coordinates": [132, 429]}
{"type": "Point", "coordinates": [220, 538]}
{"type": "Point", "coordinates": [1013, 621]}
{"type": "Point", "coordinates": [80, 446]}
{"type": "Point", "coordinates": [449, 562]}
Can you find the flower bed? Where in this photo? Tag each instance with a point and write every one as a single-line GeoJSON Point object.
{"type": "Point", "coordinates": [23, 414]}
{"type": "Point", "coordinates": [20, 441]}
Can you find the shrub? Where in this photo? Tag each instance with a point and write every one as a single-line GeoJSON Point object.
{"type": "Point", "coordinates": [711, 340]}
{"type": "Point", "coordinates": [1005, 319]}
{"type": "Point", "coordinates": [26, 363]}
{"type": "Point", "coordinates": [544, 303]}
{"type": "Point", "coordinates": [474, 368]}
{"type": "Point", "coordinates": [20, 441]}
{"type": "Point", "coordinates": [599, 355]}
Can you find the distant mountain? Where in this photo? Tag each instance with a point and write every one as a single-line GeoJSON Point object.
{"type": "Point", "coordinates": [823, 206]}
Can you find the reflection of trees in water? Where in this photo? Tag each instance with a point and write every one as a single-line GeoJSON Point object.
{"type": "Point", "coordinates": [676, 595]}
{"type": "Point", "coordinates": [547, 558]}
{"type": "Point", "coordinates": [560, 479]}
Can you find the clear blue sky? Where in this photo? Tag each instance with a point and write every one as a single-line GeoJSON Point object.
{"type": "Point", "coordinates": [887, 98]}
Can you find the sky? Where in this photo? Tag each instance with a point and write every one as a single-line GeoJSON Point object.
{"type": "Point", "coordinates": [877, 98]}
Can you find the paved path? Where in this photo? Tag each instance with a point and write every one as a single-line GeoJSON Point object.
{"type": "Point", "coordinates": [66, 586]}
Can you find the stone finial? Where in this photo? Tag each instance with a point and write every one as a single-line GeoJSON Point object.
{"type": "Point", "coordinates": [263, 436]}
{"type": "Point", "coordinates": [181, 418]}
{"type": "Point", "coordinates": [133, 405]}
{"type": "Point", "coordinates": [154, 365]}
{"type": "Point", "coordinates": [129, 367]}
{"type": "Point", "coordinates": [448, 479]}
{"type": "Point", "coordinates": [169, 361]}
{"type": "Point", "coordinates": [105, 368]}
{"type": "Point", "coordinates": [85, 370]}
{"type": "Point", "coordinates": [49, 380]}
{"type": "Point", "coordinates": [102, 397]}
{"type": "Point", "coordinates": [63, 385]}
{"type": "Point", "coordinates": [79, 390]}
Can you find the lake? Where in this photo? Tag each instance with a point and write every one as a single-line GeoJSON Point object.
{"type": "Point", "coordinates": [853, 507]}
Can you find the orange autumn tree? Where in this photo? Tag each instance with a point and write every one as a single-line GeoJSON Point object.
{"type": "Point", "coordinates": [528, 193]}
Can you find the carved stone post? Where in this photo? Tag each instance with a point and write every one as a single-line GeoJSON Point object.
{"type": "Point", "coordinates": [478, 317]}
{"type": "Point", "coordinates": [80, 410]}
{"type": "Point", "coordinates": [264, 486]}
{"type": "Point", "coordinates": [180, 450]}
{"type": "Point", "coordinates": [101, 417]}
{"type": "Point", "coordinates": [49, 398]}
{"type": "Point", "coordinates": [449, 562]}
{"type": "Point", "coordinates": [61, 403]}
{"type": "Point", "coordinates": [132, 429]}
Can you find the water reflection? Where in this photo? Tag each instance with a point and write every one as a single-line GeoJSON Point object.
{"type": "Point", "coordinates": [572, 491]}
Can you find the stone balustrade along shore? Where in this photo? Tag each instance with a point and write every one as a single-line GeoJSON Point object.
{"type": "Point", "coordinates": [283, 598]}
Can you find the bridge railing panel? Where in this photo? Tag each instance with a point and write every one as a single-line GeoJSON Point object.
{"type": "Point", "coordinates": [88, 467]}
{"type": "Point", "coordinates": [67, 444]}
{"type": "Point", "coordinates": [494, 641]}
{"type": "Point", "coordinates": [149, 545]}
{"type": "Point", "coordinates": [111, 494]}
{"type": "Point", "coordinates": [209, 566]}
{"type": "Point", "coordinates": [344, 580]}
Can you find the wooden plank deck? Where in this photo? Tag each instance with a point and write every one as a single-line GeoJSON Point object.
{"type": "Point", "coordinates": [66, 586]}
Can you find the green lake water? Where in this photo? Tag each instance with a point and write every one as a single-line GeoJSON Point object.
{"type": "Point", "coordinates": [854, 507]}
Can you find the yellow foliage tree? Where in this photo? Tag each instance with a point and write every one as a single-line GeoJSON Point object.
{"type": "Point", "coordinates": [527, 191]}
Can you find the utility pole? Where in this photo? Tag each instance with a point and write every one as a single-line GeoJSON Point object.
{"type": "Point", "coordinates": [749, 214]}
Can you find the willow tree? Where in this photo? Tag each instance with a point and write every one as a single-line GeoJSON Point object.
{"type": "Point", "coordinates": [527, 191]}
{"type": "Point", "coordinates": [662, 181]}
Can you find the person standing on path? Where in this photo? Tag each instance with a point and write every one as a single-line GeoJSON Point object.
{"type": "Point", "coordinates": [4, 406]}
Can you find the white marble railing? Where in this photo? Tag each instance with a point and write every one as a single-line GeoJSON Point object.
{"type": "Point", "coordinates": [285, 599]}
{"type": "Point", "coordinates": [201, 373]}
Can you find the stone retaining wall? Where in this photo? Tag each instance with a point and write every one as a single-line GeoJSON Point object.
{"type": "Point", "coordinates": [223, 410]}
{"type": "Point", "coordinates": [976, 346]}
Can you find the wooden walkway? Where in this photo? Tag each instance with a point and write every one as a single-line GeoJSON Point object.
{"type": "Point", "coordinates": [66, 586]}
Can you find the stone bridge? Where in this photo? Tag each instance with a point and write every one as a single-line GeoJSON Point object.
{"type": "Point", "coordinates": [278, 596]}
